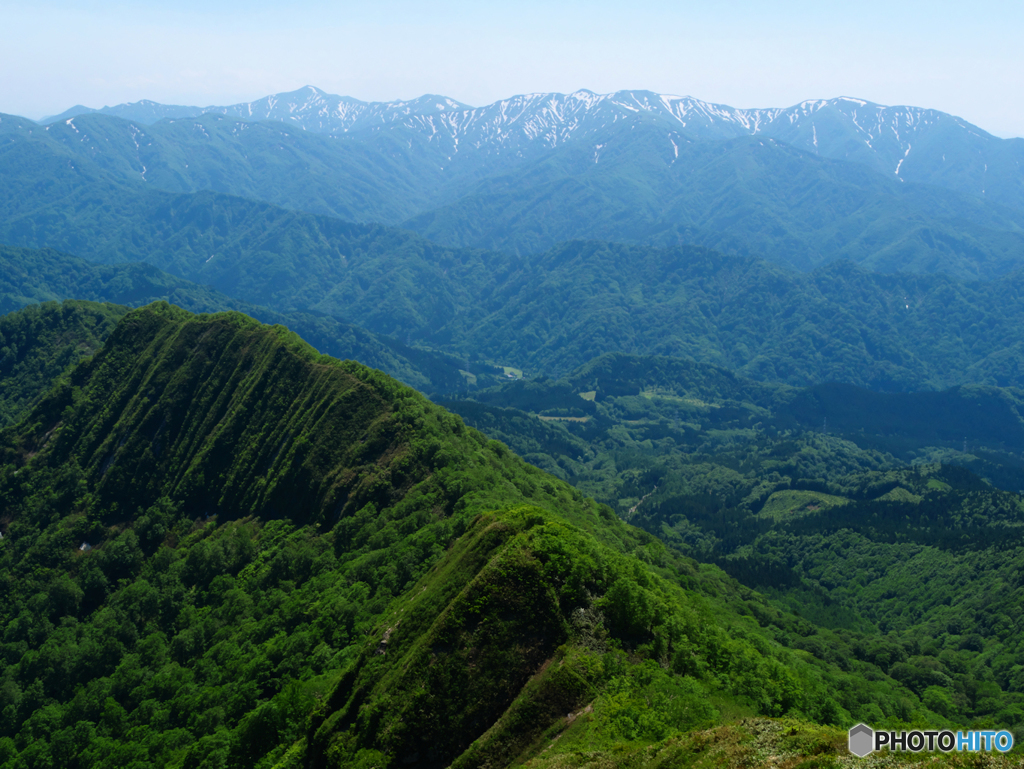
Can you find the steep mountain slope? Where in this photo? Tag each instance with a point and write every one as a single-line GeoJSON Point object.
{"type": "Point", "coordinates": [41, 342]}
{"type": "Point", "coordinates": [288, 558]}
{"type": "Point", "coordinates": [913, 144]}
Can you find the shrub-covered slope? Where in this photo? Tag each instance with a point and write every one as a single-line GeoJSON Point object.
{"type": "Point", "coordinates": [224, 549]}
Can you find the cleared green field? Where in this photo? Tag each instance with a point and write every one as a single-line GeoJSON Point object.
{"type": "Point", "coordinates": [900, 494]}
{"type": "Point", "coordinates": [789, 504]}
{"type": "Point", "coordinates": [661, 393]}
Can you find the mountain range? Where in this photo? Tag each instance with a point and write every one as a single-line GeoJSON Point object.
{"type": "Point", "coordinates": [378, 294]}
{"type": "Point", "coordinates": [800, 187]}
{"type": "Point", "coordinates": [761, 369]}
{"type": "Point", "coordinates": [911, 143]}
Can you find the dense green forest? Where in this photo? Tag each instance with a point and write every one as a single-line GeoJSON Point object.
{"type": "Point", "coordinates": [39, 343]}
{"type": "Point", "coordinates": [747, 196]}
{"type": "Point", "coordinates": [424, 313]}
{"type": "Point", "coordinates": [839, 323]}
{"type": "Point", "coordinates": [28, 276]}
{"type": "Point", "coordinates": [222, 548]}
{"type": "Point", "coordinates": [857, 510]}
{"type": "Point", "coordinates": [543, 312]}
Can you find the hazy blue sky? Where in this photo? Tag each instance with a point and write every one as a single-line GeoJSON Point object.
{"type": "Point", "coordinates": [962, 58]}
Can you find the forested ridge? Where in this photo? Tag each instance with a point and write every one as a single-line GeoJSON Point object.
{"type": "Point", "coordinates": [423, 313]}
{"type": "Point", "coordinates": [851, 508]}
{"type": "Point", "coordinates": [234, 551]}
{"type": "Point", "coordinates": [747, 196]}
{"type": "Point", "coordinates": [551, 308]}
{"type": "Point", "coordinates": [29, 276]}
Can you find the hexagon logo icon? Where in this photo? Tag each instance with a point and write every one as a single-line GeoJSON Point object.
{"type": "Point", "coordinates": [862, 739]}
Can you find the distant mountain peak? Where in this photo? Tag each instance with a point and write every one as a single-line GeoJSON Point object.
{"type": "Point", "coordinates": [72, 112]}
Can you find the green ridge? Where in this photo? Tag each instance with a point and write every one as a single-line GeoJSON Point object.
{"type": "Point", "coordinates": [914, 564]}
{"type": "Point", "coordinates": [478, 312]}
{"type": "Point", "coordinates": [297, 560]}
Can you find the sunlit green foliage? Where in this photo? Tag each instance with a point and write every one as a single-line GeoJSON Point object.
{"type": "Point", "coordinates": [223, 549]}
{"type": "Point", "coordinates": [914, 564]}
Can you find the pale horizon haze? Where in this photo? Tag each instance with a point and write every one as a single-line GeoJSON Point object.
{"type": "Point", "coordinates": [966, 61]}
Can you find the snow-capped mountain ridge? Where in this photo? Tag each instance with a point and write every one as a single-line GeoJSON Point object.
{"type": "Point", "coordinates": [310, 108]}
{"type": "Point", "coordinates": [908, 143]}
{"type": "Point", "coordinates": [841, 128]}
{"type": "Point", "coordinates": [535, 114]}
{"type": "Point", "coordinates": [315, 110]}
{"type": "Point", "coordinates": [533, 169]}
